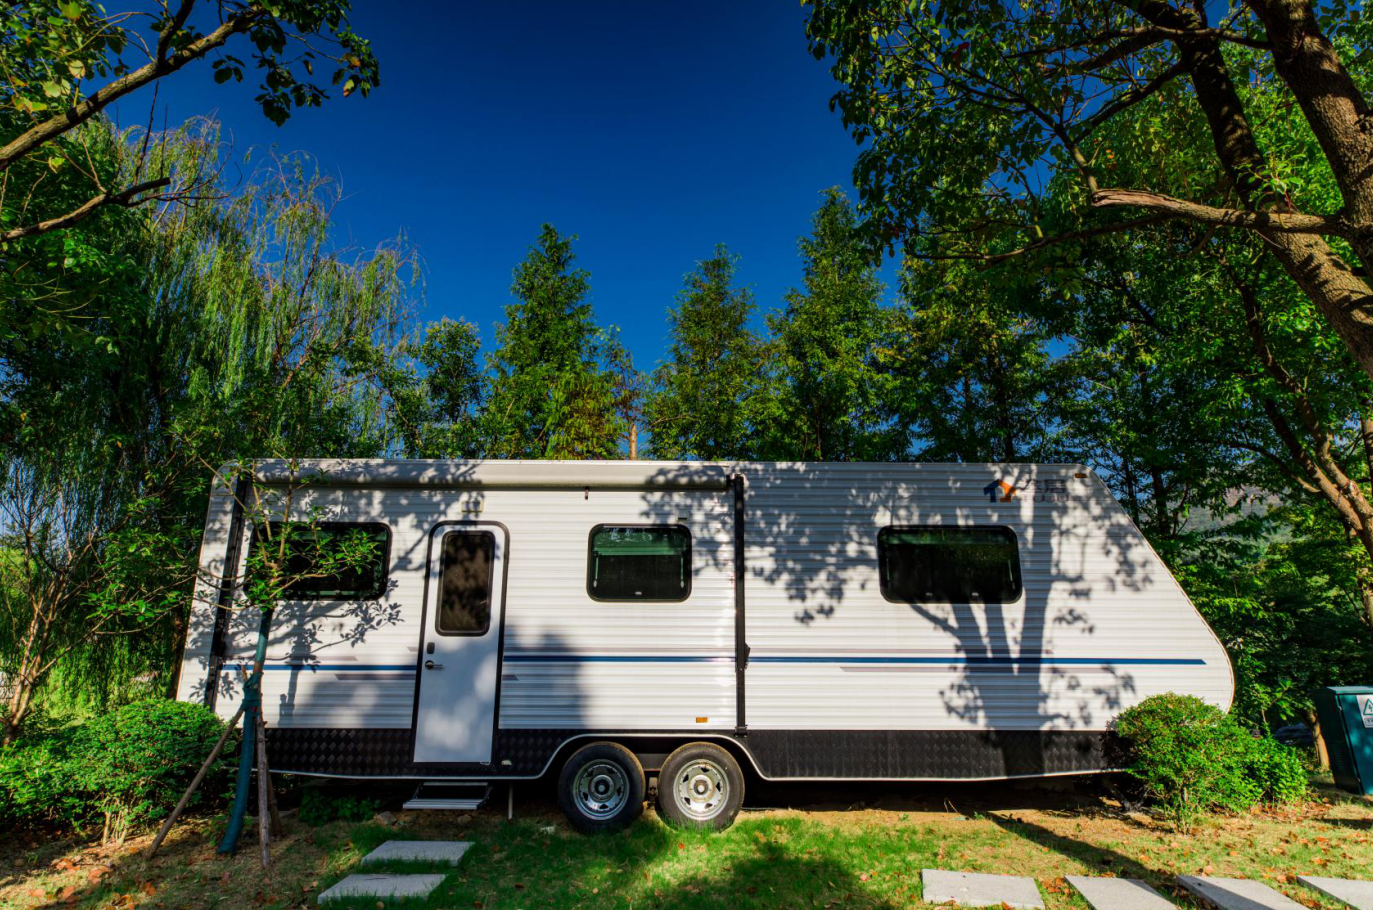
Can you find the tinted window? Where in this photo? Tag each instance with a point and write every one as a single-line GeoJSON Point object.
{"type": "Point", "coordinates": [311, 550]}
{"type": "Point", "coordinates": [949, 565]}
{"type": "Point", "coordinates": [465, 575]}
{"type": "Point", "coordinates": [639, 563]}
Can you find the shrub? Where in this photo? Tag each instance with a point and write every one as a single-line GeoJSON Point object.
{"type": "Point", "coordinates": [1192, 758]}
{"type": "Point", "coordinates": [1280, 770]}
{"type": "Point", "coordinates": [319, 808]}
{"type": "Point", "coordinates": [126, 768]}
{"type": "Point", "coordinates": [33, 786]}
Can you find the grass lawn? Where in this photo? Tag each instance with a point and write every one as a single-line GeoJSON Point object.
{"type": "Point", "coordinates": [822, 854]}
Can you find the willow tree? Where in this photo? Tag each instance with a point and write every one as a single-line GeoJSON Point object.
{"type": "Point", "coordinates": [227, 330]}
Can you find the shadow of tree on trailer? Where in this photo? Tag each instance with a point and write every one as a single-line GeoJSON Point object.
{"type": "Point", "coordinates": [811, 534]}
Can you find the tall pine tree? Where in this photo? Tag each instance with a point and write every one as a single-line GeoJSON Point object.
{"type": "Point", "coordinates": [831, 338]}
{"type": "Point", "coordinates": [554, 394]}
{"type": "Point", "coordinates": [705, 391]}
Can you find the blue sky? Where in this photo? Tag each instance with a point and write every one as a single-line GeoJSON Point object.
{"type": "Point", "coordinates": [651, 130]}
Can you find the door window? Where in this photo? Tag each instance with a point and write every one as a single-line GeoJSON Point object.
{"type": "Point", "coordinates": [465, 576]}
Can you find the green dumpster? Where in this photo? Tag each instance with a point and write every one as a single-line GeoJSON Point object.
{"type": "Point", "coordinates": [1346, 716]}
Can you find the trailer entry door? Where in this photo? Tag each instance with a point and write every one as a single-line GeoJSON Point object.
{"type": "Point", "coordinates": [455, 719]}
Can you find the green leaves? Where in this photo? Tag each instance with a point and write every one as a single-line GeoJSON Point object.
{"type": "Point", "coordinates": [708, 393]}
{"type": "Point", "coordinates": [553, 390]}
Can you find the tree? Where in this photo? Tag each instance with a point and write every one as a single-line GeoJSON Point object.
{"type": "Point", "coordinates": [706, 392]}
{"type": "Point", "coordinates": [1069, 114]}
{"type": "Point", "coordinates": [974, 377]}
{"type": "Point", "coordinates": [440, 415]}
{"type": "Point", "coordinates": [832, 342]}
{"type": "Point", "coordinates": [64, 62]}
{"type": "Point", "coordinates": [212, 332]}
{"type": "Point", "coordinates": [1030, 86]}
{"type": "Point", "coordinates": [554, 393]}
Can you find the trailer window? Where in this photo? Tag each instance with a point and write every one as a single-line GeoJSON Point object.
{"type": "Point", "coordinates": [311, 551]}
{"type": "Point", "coordinates": [465, 578]}
{"type": "Point", "coordinates": [948, 565]}
{"type": "Point", "coordinates": [639, 562]}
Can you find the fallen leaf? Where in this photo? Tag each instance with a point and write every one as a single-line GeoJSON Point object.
{"type": "Point", "coordinates": [149, 888]}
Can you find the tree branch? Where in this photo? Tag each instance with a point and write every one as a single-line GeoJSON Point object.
{"type": "Point", "coordinates": [1131, 98]}
{"type": "Point", "coordinates": [1066, 237]}
{"type": "Point", "coordinates": [1279, 222]}
{"type": "Point", "coordinates": [126, 198]}
{"type": "Point", "coordinates": [98, 100]}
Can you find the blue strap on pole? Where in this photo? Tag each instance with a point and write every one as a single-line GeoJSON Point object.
{"type": "Point", "coordinates": [252, 703]}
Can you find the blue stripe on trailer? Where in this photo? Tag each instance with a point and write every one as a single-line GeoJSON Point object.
{"type": "Point", "coordinates": [818, 659]}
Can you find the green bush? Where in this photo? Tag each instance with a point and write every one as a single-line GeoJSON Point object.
{"type": "Point", "coordinates": [319, 808]}
{"type": "Point", "coordinates": [1192, 758]}
{"type": "Point", "coordinates": [1280, 770]}
{"type": "Point", "coordinates": [125, 768]}
{"type": "Point", "coordinates": [33, 785]}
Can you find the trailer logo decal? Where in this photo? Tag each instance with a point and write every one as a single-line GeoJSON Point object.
{"type": "Point", "coordinates": [1006, 491]}
{"type": "Point", "coordinates": [1048, 490]}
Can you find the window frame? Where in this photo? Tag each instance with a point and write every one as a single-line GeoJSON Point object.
{"type": "Point", "coordinates": [470, 530]}
{"type": "Point", "coordinates": [591, 562]}
{"type": "Point", "coordinates": [1005, 530]}
{"type": "Point", "coordinates": [385, 557]}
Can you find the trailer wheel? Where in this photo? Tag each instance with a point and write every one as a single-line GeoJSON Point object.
{"type": "Point", "coordinates": [601, 788]}
{"type": "Point", "coordinates": [700, 786]}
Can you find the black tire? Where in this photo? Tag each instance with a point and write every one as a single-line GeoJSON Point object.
{"type": "Point", "coordinates": [601, 788]}
{"type": "Point", "coordinates": [700, 786]}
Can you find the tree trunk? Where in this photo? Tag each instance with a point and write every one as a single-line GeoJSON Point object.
{"type": "Point", "coordinates": [1343, 298]}
{"type": "Point", "coordinates": [1333, 105]}
{"type": "Point", "coordinates": [1366, 594]}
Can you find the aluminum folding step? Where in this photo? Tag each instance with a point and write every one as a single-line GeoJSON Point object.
{"type": "Point", "coordinates": [454, 796]}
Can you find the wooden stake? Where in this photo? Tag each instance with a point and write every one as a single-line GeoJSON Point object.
{"type": "Point", "coordinates": [264, 786]}
{"type": "Point", "coordinates": [195, 784]}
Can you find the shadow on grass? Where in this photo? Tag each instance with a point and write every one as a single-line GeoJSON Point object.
{"type": "Point", "coordinates": [534, 863]}
{"type": "Point", "coordinates": [1098, 859]}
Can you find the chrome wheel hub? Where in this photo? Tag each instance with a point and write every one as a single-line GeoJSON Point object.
{"type": "Point", "coordinates": [702, 789]}
{"type": "Point", "coordinates": [601, 789]}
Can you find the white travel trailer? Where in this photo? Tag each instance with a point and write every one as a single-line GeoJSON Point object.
{"type": "Point", "coordinates": [598, 620]}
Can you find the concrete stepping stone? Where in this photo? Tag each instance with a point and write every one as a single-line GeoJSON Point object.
{"type": "Point", "coordinates": [429, 851]}
{"type": "Point", "coordinates": [1237, 893]}
{"type": "Point", "coordinates": [1118, 893]}
{"type": "Point", "coordinates": [1353, 892]}
{"type": "Point", "coordinates": [382, 886]}
{"type": "Point", "coordinates": [973, 889]}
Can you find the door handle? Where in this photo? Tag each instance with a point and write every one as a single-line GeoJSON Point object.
{"type": "Point", "coordinates": [430, 665]}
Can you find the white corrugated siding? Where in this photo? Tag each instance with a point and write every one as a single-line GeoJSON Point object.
{"type": "Point", "coordinates": [1101, 624]}
{"type": "Point", "coordinates": [1069, 655]}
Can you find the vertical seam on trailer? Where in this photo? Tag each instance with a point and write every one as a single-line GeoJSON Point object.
{"type": "Point", "coordinates": [226, 591]}
{"type": "Point", "coordinates": [741, 649]}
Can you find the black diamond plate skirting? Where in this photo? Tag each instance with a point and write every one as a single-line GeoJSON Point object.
{"type": "Point", "coordinates": [851, 754]}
